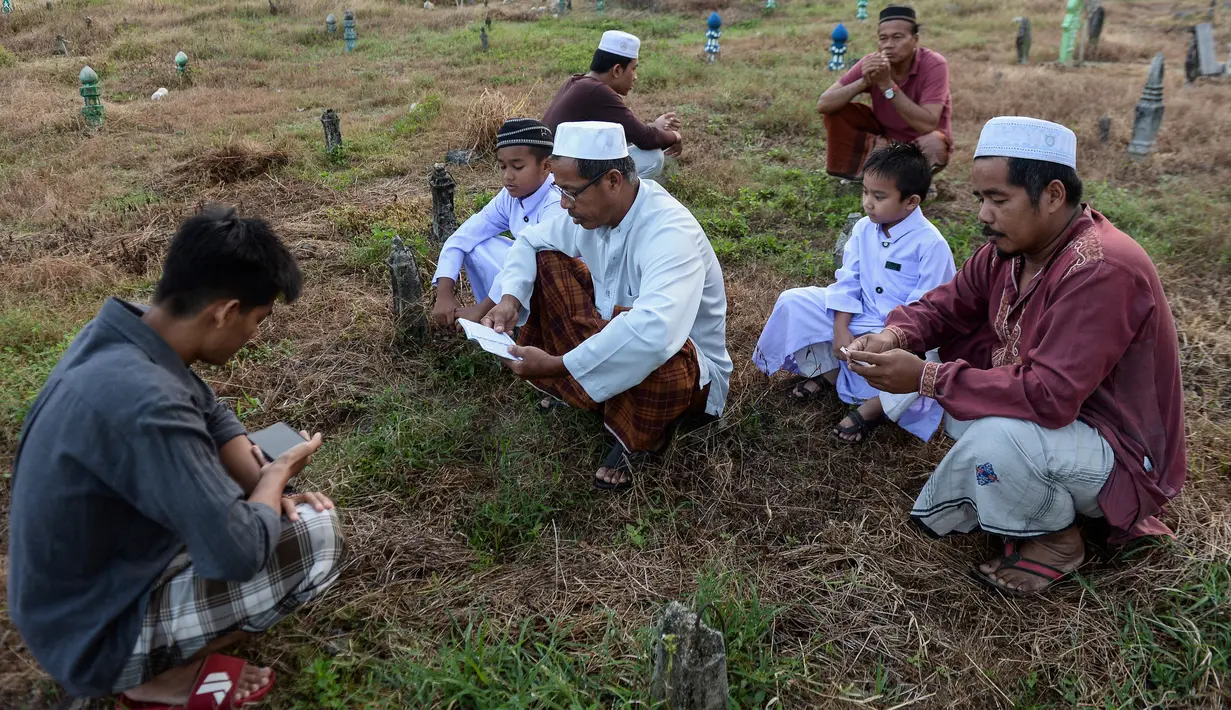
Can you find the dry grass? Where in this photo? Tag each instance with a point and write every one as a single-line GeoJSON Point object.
{"type": "Point", "coordinates": [424, 440]}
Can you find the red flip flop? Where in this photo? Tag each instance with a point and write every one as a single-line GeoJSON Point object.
{"type": "Point", "coordinates": [1012, 559]}
{"type": "Point", "coordinates": [212, 690]}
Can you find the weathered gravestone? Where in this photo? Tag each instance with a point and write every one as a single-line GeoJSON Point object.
{"type": "Point", "coordinates": [61, 45]}
{"type": "Point", "coordinates": [483, 38]}
{"type": "Point", "coordinates": [1104, 129]}
{"type": "Point", "coordinates": [861, 10]}
{"type": "Point", "coordinates": [690, 663]}
{"type": "Point", "coordinates": [1095, 30]}
{"type": "Point", "coordinates": [1149, 114]}
{"type": "Point", "coordinates": [1070, 26]}
{"type": "Point", "coordinates": [839, 246]}
{"type": "Point", "coordinates": [348, 30]}
{"type": "Point", "coordinates": [444, 219]}
{"type": "Point", "coordinates": [181, 63]}
{"type": "Point", "coordinates": [1023, 40]}
{"type": "Point", "coordinates": [461, 156]}
{"type": "Point", "coordinates": [1208, 63]}
{"type": "Point", "coordinates": [333, 130]}
{"type": "Point", "coordinates": [409, 318]}
{"type": "Point", "coordinates": [331, 24]}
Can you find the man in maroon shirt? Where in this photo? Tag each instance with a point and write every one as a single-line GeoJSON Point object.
{"type": "Point", "coordinates": [1060, 371]}
{"type": "Point", "coordinates": [598, 96]}
{"type": "Point", "coordinates": [909, 86]}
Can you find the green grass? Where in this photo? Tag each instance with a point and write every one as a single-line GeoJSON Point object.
{"type": "Point", "coordinates": [30, 346]}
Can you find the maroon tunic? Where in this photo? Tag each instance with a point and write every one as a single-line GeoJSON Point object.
{"type": "Point", "coordinates": [584, 98]}
{"type": "Point", "coordinates": [1090, 338]}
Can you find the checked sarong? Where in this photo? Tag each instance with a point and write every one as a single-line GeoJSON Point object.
{"type": "Point", "coordinates": [562, 315]}
{"type": "Point", "coordinates": [854, 132]}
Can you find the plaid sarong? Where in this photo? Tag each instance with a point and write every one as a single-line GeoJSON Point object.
{"type": "Point", "coordinates": [854, 132]}
{"type": "Point", "coordinates": [186, 612]}
{"type": "Point", "coordinates": [562, 315]}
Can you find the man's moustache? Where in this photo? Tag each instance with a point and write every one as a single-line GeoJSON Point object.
{"type": "Point", "coordinates": [989, 233]}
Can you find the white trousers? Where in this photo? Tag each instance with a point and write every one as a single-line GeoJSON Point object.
{"type": "Point", "coordinates": [649, 162]}
{"type": "Point", "coordinates": [1015, 478]}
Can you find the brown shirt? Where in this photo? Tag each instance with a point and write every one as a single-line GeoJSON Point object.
{"type": "Point", "coordinates": [584, 98]}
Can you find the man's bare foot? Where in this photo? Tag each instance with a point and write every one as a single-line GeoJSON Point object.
{"type": "Point", "coordinates": [1064, 550]}
{"type": "Point", "coordinates": [614, 476]}
{"type": "Point", "coordinates": [174, 686]}
{"type": "Point", "coordinates": [871, 411]}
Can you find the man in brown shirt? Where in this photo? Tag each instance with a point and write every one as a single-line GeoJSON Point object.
{"type": "Point", "coordinates": [598, 96]}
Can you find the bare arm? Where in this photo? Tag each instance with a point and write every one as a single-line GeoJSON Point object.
{"type": "Point", "coordinates": [922, 119]}
{"type": "Point", "coordinates": [240, 464]}
{"type": "Point", "coordinates": [838, 96]}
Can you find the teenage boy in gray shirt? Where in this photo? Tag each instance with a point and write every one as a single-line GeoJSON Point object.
{"type": "Point", "coordinates": [146, 531]}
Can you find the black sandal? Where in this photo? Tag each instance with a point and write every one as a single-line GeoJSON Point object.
{"type": "Point", "coordinates": [859, 426]}
{"type": "Point", "coordinates": [801, 393]}
{"type": "Point", "coordinates": [618, 459]}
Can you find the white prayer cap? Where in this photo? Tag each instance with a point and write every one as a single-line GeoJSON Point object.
{"type": "Point", "coordinates": [1021, 137]}
{"type": "Point", "coordinates": [591, 140]}
{"type": "Point", "coordinates": [621, 44]}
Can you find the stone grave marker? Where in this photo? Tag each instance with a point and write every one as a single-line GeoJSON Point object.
{"type": "Point", "coordinates": [333, 130]}
{"type": "Point", "coordinates": [1148, 117]}
{"type": "Point", "coordinates": [839, 246]}
{"type": "Point", "coordinates": [409, 317]}
{"type": "Point", "coordinates": [690, 663]}
{"type": "Point", "coordinates": [1208, 63]}
{"type": "Point", "coordinates": [444, 219]}
{"type": "Point", "coordinates": [1023, 40]}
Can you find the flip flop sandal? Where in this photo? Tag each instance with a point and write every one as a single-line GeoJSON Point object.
{"type": "Point", "coordinates": [618, 459]}
{"type": "Point", "coordinates": [211, 690]}
{"type": "Point", "coordinates": [859, 425]}
{"type": "Point", "coordinates": [547, 404]}
{"type": "Point", "coordinates": [1012, 559]}
{"type": "Point", "coordinates": [800, 392]}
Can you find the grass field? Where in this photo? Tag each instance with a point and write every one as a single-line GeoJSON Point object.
{"type": "Point", "coordinates": [485, 572]}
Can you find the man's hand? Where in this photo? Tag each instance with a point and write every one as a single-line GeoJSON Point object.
{"type": "Point", "coordinates": [676, 148]}
{"type": "Point", "coordinates": [895, 372]}
{"type": "Point", "coordinates": [842, 338]}
{"type": "Point", "coordinates": [883, 341]}
{"type": "Point", "coordinates": [444, 312]}
{"type": "Point", "coordinates": [289, 464]}
{"type": "Point", "coordinates": [667, 122]}
{"type": "Point", "coordinates": [503, 317]}
{"type": "Point", "coordinates": [318, 501]}
{"type": "Point", "coordinates": [535, 364]}
{"type": "Point", "coordinates": [876, 71]}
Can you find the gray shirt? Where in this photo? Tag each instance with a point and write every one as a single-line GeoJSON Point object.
{"type": "Point", "coordinates": [118, 470]}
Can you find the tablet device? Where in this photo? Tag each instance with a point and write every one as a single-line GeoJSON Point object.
{"type": "Point", "coordinates": [276, 440]}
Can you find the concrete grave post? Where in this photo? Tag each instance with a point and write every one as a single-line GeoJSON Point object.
{"type": "Point", "coordinates": [1148, 117]}
{"type": "Point", "coordinates": [690, 663]}
{"type": "Point", "coordinates": [331, 24]}
{"type": "Point", "coordinates": [93, 111]}
{"type": "Point", "coordinates": [348, 30]}
{"type": "Point", "coordinates": [333, 130]}
{"type": "Point", "coordinates": [409, 317]}
{"type": "Point", "coordinates": [444, 219]}
{"type": "Point", "coordinates": [61, 45]}
{"type": "Point", "coordinates": [1095, 29]}
{"type": "Point", "coordinates": [1104, 130]}
{"type": "Point", "coordinates": [1023, 40]}
{"type": "Point", "coordinates": [861, 10]}
{"type": "Point", "coordinates": [1207, 58]}
{"type": "Point", "coordinates": [483, 38]}
{"type": "Point", "coordinates": [713, 31]}
{"type": "Point", "coordinates": [837, 51]}
{"type": "Point", "coordinates": [181, 63]}
{"type": "Point", "coordinates": [1192, 60]}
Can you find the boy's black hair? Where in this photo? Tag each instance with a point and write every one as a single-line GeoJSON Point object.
{"type": "Point", "coordinates": [906, 165]}
{"type": "Point", "coordinates": [219, 255]}
{"type": "Point", "coordinates": [1036, 175]}
{"type": "Point", "coordinates": [540, 152]}
{"type": "Point", "coordinates": [603, 61]}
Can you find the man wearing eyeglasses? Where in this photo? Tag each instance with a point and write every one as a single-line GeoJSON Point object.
{"type": "Point", "coordinates": [638, 337]}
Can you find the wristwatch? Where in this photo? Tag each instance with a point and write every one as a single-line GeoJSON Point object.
{"type": "Point", "coordinates": [890, 93]}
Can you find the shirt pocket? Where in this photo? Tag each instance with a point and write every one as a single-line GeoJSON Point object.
{"type": "Point", "coordinates": [900, 282]}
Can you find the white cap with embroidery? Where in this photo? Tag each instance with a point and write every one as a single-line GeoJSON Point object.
{"type": "Point", "coordinates": [619, 43]}
{"type": "Point", "coordinates": [1021, 137]}
{"type": "Point", "coordinates": [591, 140]}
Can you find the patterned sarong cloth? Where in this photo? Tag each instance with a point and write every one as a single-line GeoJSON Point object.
{"type": "Point", "coordinates": [562, 315]}
{"type": "Point", "coordinates": [186, 612]}
{"type": "Point", "coordinates": [853, 133]}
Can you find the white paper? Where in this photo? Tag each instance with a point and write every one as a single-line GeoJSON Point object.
{"type": "Point", "coordinates": [847, 353]}
{"type": "Point", "coordinates": [495, 343]}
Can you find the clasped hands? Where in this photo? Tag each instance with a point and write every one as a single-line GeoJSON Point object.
{"type": "Point", "coordinates": [535, 363]}
{"type": "Point", "coordinates": [876, 71]}
{"type": "Point", "coordinates": [889, 368]}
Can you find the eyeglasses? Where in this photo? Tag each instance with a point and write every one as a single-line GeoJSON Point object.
{"type": "Point", "coordinates": [572, 196]}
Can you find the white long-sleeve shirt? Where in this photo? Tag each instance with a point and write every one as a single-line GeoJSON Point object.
{"type": "Point", "coordinates": [659, 262]}
{"type": "Point", "coordinates": [883, 271]}
{"type": "Point", "coordinates": [504, 213]}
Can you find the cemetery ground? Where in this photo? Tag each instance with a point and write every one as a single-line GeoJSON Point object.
{"type": "Point", "coordinates": [485, 571]}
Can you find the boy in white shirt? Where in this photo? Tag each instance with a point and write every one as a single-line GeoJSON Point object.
{"type": "Point", "coordinates": [523, 155]}
{"type": "Point", "coordinates": [893, 257]}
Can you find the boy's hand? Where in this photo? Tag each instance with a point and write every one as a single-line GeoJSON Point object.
{"type": "Point", "coordinates": [444, 312]}
{"type": "Point", "coordinates": [842, 338]}
{"type": "Point", "coordinates": [319, 502]}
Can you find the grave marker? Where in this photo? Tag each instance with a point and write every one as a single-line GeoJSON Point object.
{"type": "Point", "coordinates": [93, 111]}
{"type": "Point", "coordinates": [483, 38]}
{"type": "Point", "coordinates": [712, 33]}
{"type": "Point", "coordinates": [1192, 61]}
{"type": "Point", "coordinates": [444, 219]}
{"type": "Point", "coordinates": [348, 30]}
{"type": "Point", "coordinates": [181, 63]}
{"type": "Point", "coordinates": [1104, 129]}
{"type": "Point", "coordinates": [61, 45]}
{"type": "Point", "coordinates": [839, 245]}
{"type": "Point", "coordinates": [837, 51]}
{"type": "Point", "coordinates": [1149, 114]}
{"type": "Point", "coordinates": [690, 663]}
{"type": "Point", "coordinates": [333, 130]}
{"type": "Point", "coordinates": [1023, 40]}
{"type": "Point", "coordinates": [331, 24]}
{"type": "Point", "coordinates": [1206, 56]}
{"type": "Point", "coordinates": [861, 10]}
{"type": "Point", "coordinates": [1070, 26]}
{"type": "Point", "coordinates": [409, 318]}
{"type": "Point", "coordinates": [1095, 30]}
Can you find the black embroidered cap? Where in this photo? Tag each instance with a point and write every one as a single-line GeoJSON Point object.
{"type": "Point", "coordinates": [523, 131]}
